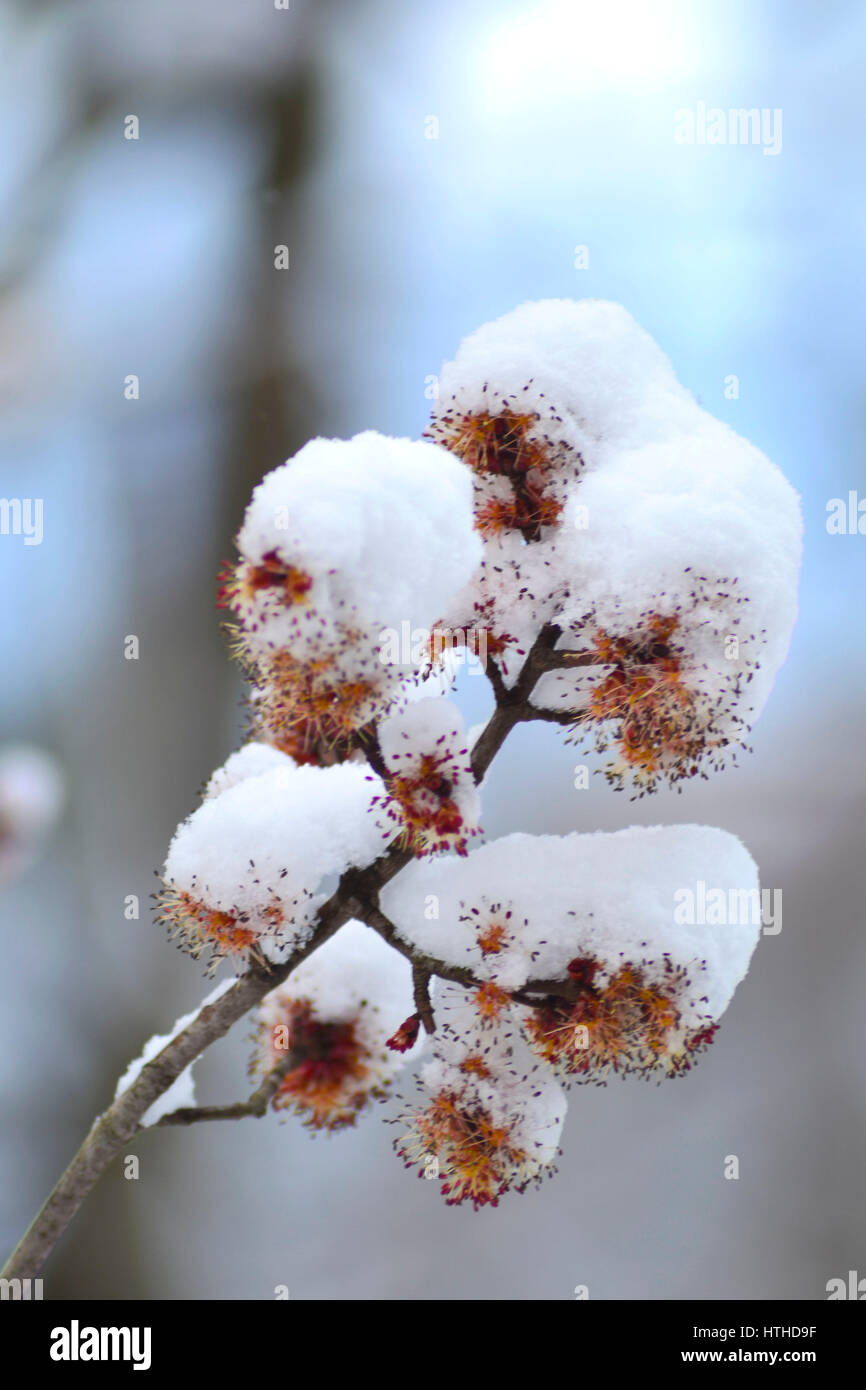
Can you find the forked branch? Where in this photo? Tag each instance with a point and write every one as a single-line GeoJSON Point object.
{"type": "Point", "coordinates": [356, 896]}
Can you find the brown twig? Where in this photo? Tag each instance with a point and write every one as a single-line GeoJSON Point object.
{"type": "Point", "coordinates": [421, 992]}
{"type": "Point", "coordinates": [530, 993]}
{"type": "Point", "coordinates": [256, 1105]}
{"type": "Point", "coordinates": [560, 660]}
{"type": "Point", "coordinates": [533, 713]}
{"type": "Point", "coordinates": [511, 702]}
{"type": "Point", "coordinates": [367, 740]}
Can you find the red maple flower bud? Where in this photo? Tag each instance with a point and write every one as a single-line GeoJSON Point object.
{"type": "Point", "coordinates": [406, 1035]}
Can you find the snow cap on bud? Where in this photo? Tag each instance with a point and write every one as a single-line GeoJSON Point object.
{"type": "Point", "coordinates": [684, 584]}
{"type": "Point", "coordinates": [252, 760]}
{"type": "Point", "coordinates": [381, 527]}
{"type": "Point", "coordinates": [649, 930]}
{"type": "Point", "coordinates": [588, 371]}
{"type": "Point", "coordinates": [337, 1016]}
{"type": "Point", "coordinates": [537, 395]}
{"type": "Point", "coordinates": [243, 869]}
{"type": "Point", "coordinates": [431, 791]}
{"type": "Point", "coordinates": [646, 515]}
{"type": "Point", "coordinates": [345, 545]}
{"type": "Point", "coordinates": [489, 1119]}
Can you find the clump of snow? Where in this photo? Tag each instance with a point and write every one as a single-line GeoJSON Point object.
{"type": "Point", "coordinates": [489, 1118]}
{"type": "Point", "coordinates": [381, 528]}
{"type": "Point", "coordinates": [348, 553]}
{"type": "Point", "coordinates": [338, 1010]}
{"type": "Point", "coordinates": [355, 969]}
{"type": "Point", "coordinates": [595, 380]}
{"type": "Point", "coordinates": [260, 850]}
{"type": "Point", "coordinates": [523, 907]}
{"type": "Point", "coordinates": [703, 528]}
{"type": "Point", "coordinates": [181, 1093]}
{"type": "Point", "coordinates": [431, 793]}
{"type": "Point", "coordinates": [517, 590]}
{"type": "Point", "coordinates": [252, 760]}
{"type": "Point", "coordinates": [609, 499]}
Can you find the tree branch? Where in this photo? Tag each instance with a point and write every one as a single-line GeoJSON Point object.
{"type": "Point", "coordinates": [511, 702]}
{"type": "Point", "coordinates": [532, 713]}
{"type": "Point", "coordinates": [356, 895]}
{"type": "Point", "coordinates": [561, 660]}
{"type": "Point", "coordinates": [367, 740]}
{"type": "Point", "coordinates": [256, 1104]}
{"type": "Point", "coordinates": [532, 993]}
{"type": "Point", "coordinates": [421, 992]}
{"type": "Point", "coordinates": [112, 1130]}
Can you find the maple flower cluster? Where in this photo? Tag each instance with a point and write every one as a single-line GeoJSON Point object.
{"type": "Point", "coordinates": [242, 871]}
{"type": "Point", "coordinates": [339, 547]}
{"type": "Point", "coordinates": [335, 1017]}
{"type": "Point", "coordinates": [346, 542]}
{"type": "Point", "coordinates": [491, 1117]}
{"type": "Point", "coordinates": [663, 545]}
{"type": "Point", "coordinates": [571, 490]}
{"type": "Point", "coordinates": [432, 796]}
{"type": "Point", "coordinates": [586, 960]}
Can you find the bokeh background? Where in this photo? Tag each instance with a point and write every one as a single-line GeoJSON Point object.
{"type": "Point", "coordinates": [310, 127]}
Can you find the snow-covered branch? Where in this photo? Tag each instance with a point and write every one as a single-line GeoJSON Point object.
{"type": "Point", "coordinates": [617, 563]}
